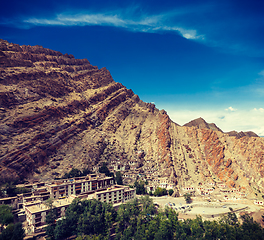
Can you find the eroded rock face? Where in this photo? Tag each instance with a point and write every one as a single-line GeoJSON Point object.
{"type": "Point", "coordinates": [58, 112]}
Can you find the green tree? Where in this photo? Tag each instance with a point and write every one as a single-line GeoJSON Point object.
{"type": "Point", "coordinates": [118, 178]}
{"type": "Point", "coordinates": [19, 190]}
{"type": "Point", "coordinates": [85, 218]}
{"type": "Point", "coordinates": [86, 171]}
{"type": "Point", "coordinates": [68, 226]}
{"type": "Point", "coordinates": [152, 227]}
{"type": "Point", "coordinates": [6, 215]}
{"type": "Point", "coordinates": [18, 232]}
{"type": "Point", "coordinates": [13, 232]}
{"type": "Point", "coordinates": [140, 187]}
{"type": "Point", "coordinates": [170, 192]}
{"type": "Point", "coordinates": [160, 191]}
{"type": "Point", "coordinates": [7, 233]}
{"type": "Point", "coordinates": [250, 229]}
{"type": "Point", "coordinates": [148, 207]}
{"type": "Point", "coordinates": [187, 197]}
{"type": "Point", "coordinates": [104, 169]}
{"type": "Point", "coordinates": [76, 173]}
{"type": "Point", "coordinates": [168, 224]}
{"type": "Point", "coordinates": [127, 216]}
{"type": "Point", "coordinates": [230, 219]}
{"type": "Point", "coordinates": [73, 173]}
{"type": "Point", "coordinates": [62, 229]}
{"type": "Point", "coordinates": [10, 189]}
{"type": "Point", "coordinates": [51, 219]}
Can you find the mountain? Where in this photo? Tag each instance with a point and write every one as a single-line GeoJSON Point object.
{"type": "Point", "coordinates": [242, 134]}
{"type": "Point", "coordinates": [202, 124]}
{"type": "Point", "coordinates": [58, 112]}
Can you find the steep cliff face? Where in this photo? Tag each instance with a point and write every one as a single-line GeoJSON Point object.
{"type": "Point", "coordinates": [58, 112]}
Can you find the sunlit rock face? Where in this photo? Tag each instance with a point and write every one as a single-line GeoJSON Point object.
{"type": "Point", "coordinates": [58, 112]}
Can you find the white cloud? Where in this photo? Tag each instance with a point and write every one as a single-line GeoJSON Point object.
{"type": "Point", "coordinates": [188, 34]}
{"type": "Point", "coordinates": [143, 23]}
{"type": "Point", "coordinates": [259, 110]}
{"type": "Point", "coordinates": [230, 109]}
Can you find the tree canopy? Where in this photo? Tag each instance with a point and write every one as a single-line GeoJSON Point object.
{"type": "Point", "coordinates": [118, 178]}
{"type": "Point", "coordinates": [171, 192]}
{"type": "Point", "coordinates": [104, 169]}
{"type": "Point", "coordinates": [160, 192]}
{"type": "Point", "coordinates": [76, 173]}
{"type": "Point", "coordinates": [11, 231]}
{"type": "Point", "coordinates": [6, 215]}
{"type": "Point", "coordinates": [139, 219]}
{"type": "Point", "coordinates": [140, 187]}
{"type": "Point", "coordinates": [187, 197]}
{"type": "Point", "coordinates": [87, 217]}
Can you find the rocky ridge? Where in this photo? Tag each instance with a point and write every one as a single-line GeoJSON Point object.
{"type": "Point", "coordinates": [202, 124]}
{"type": "Point", "coordinates": [58, 112]}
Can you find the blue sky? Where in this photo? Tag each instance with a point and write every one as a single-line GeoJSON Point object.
{"type": "Point", "coordinates": [191, 58]}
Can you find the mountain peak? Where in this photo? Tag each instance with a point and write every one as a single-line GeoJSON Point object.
{"type": "Point", "coordinates": [202, 124]}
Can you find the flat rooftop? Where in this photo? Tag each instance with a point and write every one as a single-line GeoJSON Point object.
{"type": "Point", "coordinates": [71, 181]}
{"type": "Point", "coordinates": [41, 207]}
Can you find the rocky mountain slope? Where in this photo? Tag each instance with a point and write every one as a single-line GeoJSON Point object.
{"type": "Point", "coordinates": [202, 124]}
{"type": "Point", "coordinates": [58, 112]}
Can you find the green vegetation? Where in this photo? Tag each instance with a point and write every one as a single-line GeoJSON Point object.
{"type": "Point", "coordinates": [88, 217]}
{"type": "Point", "coordinates": [6, 215]}
{"type": "Point", "coordinates": [139, 219]}
{"type": "Point", "coordinates": [9, 230]}
{"type": "Point", "coordinates": [76, 173]}
{"type": "Point", "coordinates": [104, 169]}
{"type": "Point", "coordinates": [187, 197]}
{"type": "Point", "coordinates": [171, 192]}
{"type": "Point", "coordinates": [140, 187]}
{"type": "Point", "coordinates": [160, 192]}
{"type": "Point", "coordinates": [118, 178]}
{"type": "Point", "coordinates": [51, 219]}
{"type": "Point", "coordinates": [10, 190]}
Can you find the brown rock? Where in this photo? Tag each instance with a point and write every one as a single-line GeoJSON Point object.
{"type": "Point", "coordinates": [53, 106]}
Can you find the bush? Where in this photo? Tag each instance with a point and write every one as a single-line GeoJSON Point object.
{"type": "Point", "coordinates": [171, 192]}
{"type": "Point", "coordinates": [76, 173]}
{"type": "Point", "coordinates": [160, 192]}
{"type": "Point", "coordinates": [104, 169]}
{"type": "Point", "coordinates": [118, 178]}
{"type": "Point", "coordinates": [187, 197]}
{"type": "Point", "coordinates": [140, 187]}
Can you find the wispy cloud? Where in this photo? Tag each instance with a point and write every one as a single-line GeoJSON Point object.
{"type": "Point", "coordinates": [143, 23]}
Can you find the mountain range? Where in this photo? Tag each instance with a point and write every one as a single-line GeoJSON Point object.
{"type": "Point", "coordinates": [58, 112]}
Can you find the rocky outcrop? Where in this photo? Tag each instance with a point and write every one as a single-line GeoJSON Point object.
{"type": "Point", "coordinates": [58, 112]}
{"type": "Point", "coordinates": [202, 124]}
{"type": "Point", "coordinates": [242, 134]}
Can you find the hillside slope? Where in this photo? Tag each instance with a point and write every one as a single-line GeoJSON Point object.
{"type": "Point", "coordinates": [58, 112]}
